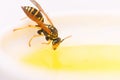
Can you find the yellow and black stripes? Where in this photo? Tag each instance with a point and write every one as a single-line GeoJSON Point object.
{"type": "Point", "coordinates": [34, 12]}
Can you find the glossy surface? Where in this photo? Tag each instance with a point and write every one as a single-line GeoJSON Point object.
{"type": "Point", "coordinates": [77, 58]}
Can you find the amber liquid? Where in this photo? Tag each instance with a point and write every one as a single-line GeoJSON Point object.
{"type": "Point", "coordinates": [86, 57]}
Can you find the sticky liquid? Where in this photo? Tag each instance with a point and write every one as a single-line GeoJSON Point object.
{"type": "Point", "coordinates": [86, 57]}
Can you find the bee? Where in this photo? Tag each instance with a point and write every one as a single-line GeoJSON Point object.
{"type": "Point", "coordinates": [47, 30]}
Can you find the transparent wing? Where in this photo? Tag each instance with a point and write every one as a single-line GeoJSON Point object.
{"type": "Point", "coordinates": [43, 27]}
{"type": "Point", "coordinates": [40, 8]}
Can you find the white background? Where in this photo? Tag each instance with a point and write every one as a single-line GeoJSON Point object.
{"type": "Point", "coordinates": [11, 13]}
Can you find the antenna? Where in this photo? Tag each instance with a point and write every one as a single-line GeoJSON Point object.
{"type": "Point", "coordinates": [66, 38]}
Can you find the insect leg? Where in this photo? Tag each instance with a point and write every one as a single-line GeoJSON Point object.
{"type": "Point", "coordinates": [19, 28]}
{"type": "Point", "coordinates": [47, 38]}
{"type": "Point", "coordinates": [23, 18]}
{"type": "Point", "coordinates": [49, 41]}
{"type": "Point", "coordinates": [29, 26]}
{"type": "Point", "coordinates": [32, 39]}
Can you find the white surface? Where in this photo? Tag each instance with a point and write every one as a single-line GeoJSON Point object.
{"type": "Point", "coordinates": [11, 11]}
{"type": "Point", "coordinates": [88, 23]}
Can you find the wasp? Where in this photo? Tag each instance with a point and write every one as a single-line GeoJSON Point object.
{"type": "Point", "coordinates": [47, 30]}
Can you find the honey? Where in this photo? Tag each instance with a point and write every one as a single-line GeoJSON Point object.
{"type": "Point", "coordinates": [84, 57]}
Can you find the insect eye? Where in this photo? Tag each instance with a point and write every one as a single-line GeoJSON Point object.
{"type": "Point", "coordinates": [56, 41]}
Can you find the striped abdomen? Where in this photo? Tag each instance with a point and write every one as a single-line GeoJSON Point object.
{"type": "Point", "coordinates": [33, 13]}
{"type": "Point", "coordinates": [36, 16]}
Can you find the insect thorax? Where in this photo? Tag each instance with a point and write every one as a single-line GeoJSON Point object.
{"type": "Point", "coordinates": [53, 35]}
{"type": "Point", "coordinates": [36, 13]}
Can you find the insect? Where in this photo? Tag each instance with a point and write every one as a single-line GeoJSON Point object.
{"type": "Point", "coordinates": [47, 30]}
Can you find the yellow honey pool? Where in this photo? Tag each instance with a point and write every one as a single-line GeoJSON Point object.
{"type": "Point", "coordinates": [83, 58]}
{"type": "Point", "coordinates": [93, 47]}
